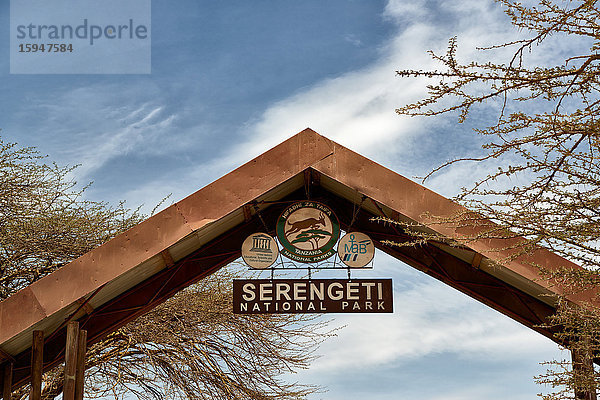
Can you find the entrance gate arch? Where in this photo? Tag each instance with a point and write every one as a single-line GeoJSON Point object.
{"type": "Point", "coordinates": [137, 270]}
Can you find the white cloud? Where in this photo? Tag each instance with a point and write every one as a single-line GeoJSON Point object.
{"type": "Point", "coordinates": [431, 323]}
{"type": "Point", "coordinates": [91, 125]}
{"type": "Point", "coordinates": [357, 109]}
{"type": "Point", "coordinates": [136, 130]}
{"type": "Point", "coordinates": [429, 318]}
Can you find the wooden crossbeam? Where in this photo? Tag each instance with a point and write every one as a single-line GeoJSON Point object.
{"type": "Point", "coordinates": [37, 365]}
{"type": "Point", "coordinates": [71, 360]}
{"type": "Point", "coordinates": [7, 378]}
{"type": "Point", "coordinates": [80, 371]}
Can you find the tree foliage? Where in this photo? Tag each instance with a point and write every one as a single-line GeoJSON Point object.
{"type": "Point", "coordinates": [544, 139]}
{"type": "Point", "coordinates": [190, 347]}
{"type": "Point", "coordinates": [194, 347]}
{"type": "Point", "coordinates": [45, 221]}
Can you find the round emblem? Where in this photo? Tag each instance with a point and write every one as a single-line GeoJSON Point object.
{"type": "Point", "coordinates": [356, 249]}
{"type": "Point", "coordinates": [259, 250]}
{"type": "Point", "coordinates": [308, 231]}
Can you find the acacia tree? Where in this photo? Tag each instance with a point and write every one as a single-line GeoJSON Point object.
{"type": "Point", "coordinates": [544, 140]}
{"type": "Point", "coordinates": [44, 220]}
{"type": "Point", "coordinates": [192, 346]}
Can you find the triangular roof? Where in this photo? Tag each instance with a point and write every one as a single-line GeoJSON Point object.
{"type": "Point", "coordinates": [130, 274]}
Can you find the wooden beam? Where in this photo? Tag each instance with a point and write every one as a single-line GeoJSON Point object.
{"type": "Point", "coordinates": [7, 379]}
{"type": "Point", "coordinates": [85, 305]}
{"type": "Point", "coordinates": [4, 355]}
{"type": "Point", "coordinates": [476, 263]}
{"type": "Point", "coordinates": [167, 258]}
{"type": "Point", "coordinates": [247, 209]}
{"type": "Point", "coordinates": [307, 182]}
{"type": "Point", "coordinates": [80, 372]}
{"type": "Point", "coordinates": [583, 370]}
{"type": "Point", "coordinates": [37, 365]}
{"type": "Point", "coordinates": [70, 360]}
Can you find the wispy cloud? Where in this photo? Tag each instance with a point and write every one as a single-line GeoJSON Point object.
{"type": "Point", "coordinates": [91, 126]}
{"type": "Point", "coordinates": [431, 323]}
{"type": "Point", "coordinates": [357, 108]}
{"type": "Point", "coordinates": [429, 318]}
{"type": "Point", "coordinates": [133, 135]}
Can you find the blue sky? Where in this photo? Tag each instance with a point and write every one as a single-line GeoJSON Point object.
{"type": "Point", "coordinates": [231, 79]}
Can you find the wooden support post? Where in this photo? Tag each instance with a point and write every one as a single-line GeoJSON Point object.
{"type": "Point", "coordinates": [37, 365]}
{"type": "Point", "coordinates": [583, 369]}
{"type": "Point", "coordinates": [7, 380]}
{"type": "Point", "coordinates": [80, 373]}
{"type": "Point", "coordinates": [70, 361]}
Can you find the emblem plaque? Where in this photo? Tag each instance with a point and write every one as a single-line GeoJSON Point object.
{"type": "Point", "coordinates": [308, 231]}
{"type": "Point", "coordinates": [356, 249]}
{"type": "Point", "coordinates": [259, 250]}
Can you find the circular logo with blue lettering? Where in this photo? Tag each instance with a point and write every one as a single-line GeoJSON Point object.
{"type": "Point", "coordinates": [356, 249]}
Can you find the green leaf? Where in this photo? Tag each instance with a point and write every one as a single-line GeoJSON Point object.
{"type": "Point", "coordinates": [301, 239]}
{"type": "Point", "coordinates": [318, 231]}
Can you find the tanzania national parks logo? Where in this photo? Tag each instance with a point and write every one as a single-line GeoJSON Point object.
{"type": "Point", "coordinates": [308, 231]}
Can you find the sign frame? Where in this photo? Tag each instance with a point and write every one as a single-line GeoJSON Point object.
{"type": "Point", "coordinates": [296, 296]}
